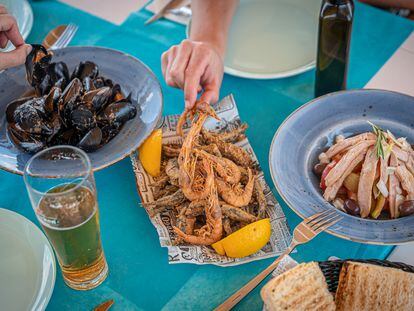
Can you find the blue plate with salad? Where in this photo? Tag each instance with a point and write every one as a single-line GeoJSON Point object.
{"type": "Point", "coordinates": [351, 152]}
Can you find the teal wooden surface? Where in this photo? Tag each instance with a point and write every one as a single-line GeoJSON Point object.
{"type": "Point", "coordinates": [140, 277]}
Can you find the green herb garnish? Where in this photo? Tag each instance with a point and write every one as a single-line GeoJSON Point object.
{"type": "Point", "coordinates": [381, 138]}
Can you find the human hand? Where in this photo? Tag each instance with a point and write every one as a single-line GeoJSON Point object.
{"type": "Point", "coordinates": [9, 32]}
{"type": "Point", "coordinates": [194, 66]}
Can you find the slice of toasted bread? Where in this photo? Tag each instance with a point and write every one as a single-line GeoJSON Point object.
{"type": "Point", "coordinates": [369, 287]}
{"type": "Point", "coordinates": [301, 288]}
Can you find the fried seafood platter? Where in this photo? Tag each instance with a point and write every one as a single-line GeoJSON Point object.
{"type": "Point", "coordinates": [209, 181]}
{"type": "Point", "coordinates": [369, 175]}
{"type": "Point", "coordinates": [209, 200]}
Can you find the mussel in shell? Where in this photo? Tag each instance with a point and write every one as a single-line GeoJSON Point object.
{"type": "Point", "coordinates": [92, 140]}
{"type": "Point", "coordinates": [37, 64]}
{"type": "Point", "coordinates": [118, 112]}
{"type": "Point", "coordinates": [82, 109]}
{"type": "Point", "coordinates": [59, 74]}
{"type": "Point", "coordinates": [85, 70]}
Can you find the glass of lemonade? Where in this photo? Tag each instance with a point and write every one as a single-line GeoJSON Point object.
{"type": "Point", "coordinates": [62, 191]}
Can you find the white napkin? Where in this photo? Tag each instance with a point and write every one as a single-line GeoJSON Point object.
{"type": "Point", "coordinates": [182, 16]}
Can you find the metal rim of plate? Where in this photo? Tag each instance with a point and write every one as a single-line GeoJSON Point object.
{"type": "Point", "coordinates": [293, 208]}
{"type": "Point", "coordinates": [46, 242]}
{"type": "Point", "coordinates": [136, 146]}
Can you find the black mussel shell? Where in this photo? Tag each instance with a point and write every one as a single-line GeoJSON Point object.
{"type": "Point", "coordinates": [108, 82]}
{"type": "Point", "coordinates": [85, 69]}
{"type": "Point", "coordinates": [118, 112]}
{"type": "Point", "coordinates": [59, 74]}
{"type": "Point", "coordinates": [116, 93]}
{"type": "Point", "coordinates": [82, 119]}
{"type": "Point", "coordinates": [11, 107]}
{"type": "Point", "coordinates": [52, 100]}
{"type": "Point", "coordinates": [37, 63]}
{"type": "Point", "coordinates": [88, 84]}
{"type": "Point", "coordinates": [109, 131]}
{"type": "Point", "coordinates": [65, 137]}
{"type": "Point", "coordinates": [30, 117]}
{"type": "Point", "coordinates": [44, 86]}
{"type": "Point", "coordinates": [29, 143]}
{"type": "Point", "coordinates": [92, 140]}
{"type": "Point", "coordinates": [101, 98]}
{"type": "Point", "coordinates": [69, 99]}
{"type": "Point", "coordinates": [99, 82]}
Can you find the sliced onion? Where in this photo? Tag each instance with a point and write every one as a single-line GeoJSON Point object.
{"type": "Point", "coordinates": [398, 200]}
{"type": "Point", "coordinates": [339, 138]}
{"type": "Point", "coordinates": [392, 137]}
{"type": "Point", "coordinates": [339, 204]}
{"type": "Point", "coordinates": [382, 188]}
{"type": "Point", "coordinates": [398, 190]}
{"type": "Point", "coordinates": [323, 158]}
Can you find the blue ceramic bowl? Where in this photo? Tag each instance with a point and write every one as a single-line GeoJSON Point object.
{"type": "Point", "coordinates": [133, 76]}
{"type": "Point", "coordinates": [311, 129]}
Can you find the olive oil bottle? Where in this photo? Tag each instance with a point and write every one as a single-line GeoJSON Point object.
{"type": "Point", "coordinates": [334, 36]}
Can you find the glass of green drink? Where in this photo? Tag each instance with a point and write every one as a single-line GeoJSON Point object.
{"type": "Point", "coordinates": [62, 191]}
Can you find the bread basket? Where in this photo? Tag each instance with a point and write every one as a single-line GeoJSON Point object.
{"type": "Point", "coordinates": [332, 269]}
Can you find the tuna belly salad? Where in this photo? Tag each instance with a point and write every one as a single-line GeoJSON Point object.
{"type": "Point", "coordinates": [369, 175]}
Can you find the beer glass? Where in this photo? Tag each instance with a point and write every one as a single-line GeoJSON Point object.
{"type": "Point", "coordinates": [62, 191]}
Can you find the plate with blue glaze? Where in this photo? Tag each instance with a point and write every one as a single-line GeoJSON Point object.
{"type": "Point", "coordinates": [133, 76]}
{"type": "Point", "coordinates": [311, 129]}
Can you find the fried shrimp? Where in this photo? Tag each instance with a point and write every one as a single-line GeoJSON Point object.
{"type": "Point", "coordinates": [191, 172]}
{"type": "Point", "coordinates": [212, 231]}
{"type": "Point", "coordinates": [225, 168]}
{"type": "Point", "coordinates": [236, 195]}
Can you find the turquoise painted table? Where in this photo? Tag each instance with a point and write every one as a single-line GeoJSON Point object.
{"type": "Point", "coordinates": [140, 277]}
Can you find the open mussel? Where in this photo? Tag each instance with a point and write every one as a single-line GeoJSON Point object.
{"type": "Point", "coordinates": [84, 70]}
{"type": "Point", "coordinates": [52, 100]}
{"type": "Point", "coordinates": [92, 140]}
{"type": "Point", "coordinates": [37, 64]}
{"type": "Point", "coordinates": [70, 100]}
{"type": "Point", "coordinates": [11, 108]}
{"type": "Point", "coordinates": [118, 112]}
{"type": "Point", "coordinates": [97, 99]}
{"type": "Point", "coordinates": [29, 143]}
{"type": "Point", "coordinates": [30, 117]}
{"type": "Point", "coordinates": [82, 119]}
{"type": "Point", "coordinates": [59, 74]}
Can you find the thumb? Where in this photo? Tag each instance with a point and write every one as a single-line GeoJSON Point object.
{"type": "Point", "coordinates": [15, 57]}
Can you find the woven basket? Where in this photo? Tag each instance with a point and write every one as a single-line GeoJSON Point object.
{"type": "Point", "coordinates": [331, 269]}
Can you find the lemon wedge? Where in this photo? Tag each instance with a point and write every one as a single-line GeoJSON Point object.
{"type": "Point", "coordinates": [245, 241]}
{"type": "Point", "coordinates": [150, 153]}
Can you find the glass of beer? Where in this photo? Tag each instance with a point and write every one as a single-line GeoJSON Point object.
{"type": "Point", "coordinates": [62, 191]}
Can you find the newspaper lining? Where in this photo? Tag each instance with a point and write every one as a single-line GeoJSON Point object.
{"type": "Point", "coordinates": [163, 222]}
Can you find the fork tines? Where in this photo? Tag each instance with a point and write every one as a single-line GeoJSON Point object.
{"type": "Point", "coordinates": [65, 37]}
{"type": "Point", "coordinates": [322, 221]}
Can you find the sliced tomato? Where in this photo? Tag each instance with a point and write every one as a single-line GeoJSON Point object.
{"type": "Point", "coordinates": [325, 172]}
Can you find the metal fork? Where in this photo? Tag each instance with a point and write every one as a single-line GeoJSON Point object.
{"type": "Point", "coordinates": [65, 38]}
{"type": "Point", "coordinates": [304, 232]}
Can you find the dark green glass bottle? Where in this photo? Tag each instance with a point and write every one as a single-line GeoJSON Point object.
{"type": "Point", "coordinates": [335, 25]}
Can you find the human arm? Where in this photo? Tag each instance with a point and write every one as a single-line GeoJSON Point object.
{"type": "Point", "coordinates": [196, 64]}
